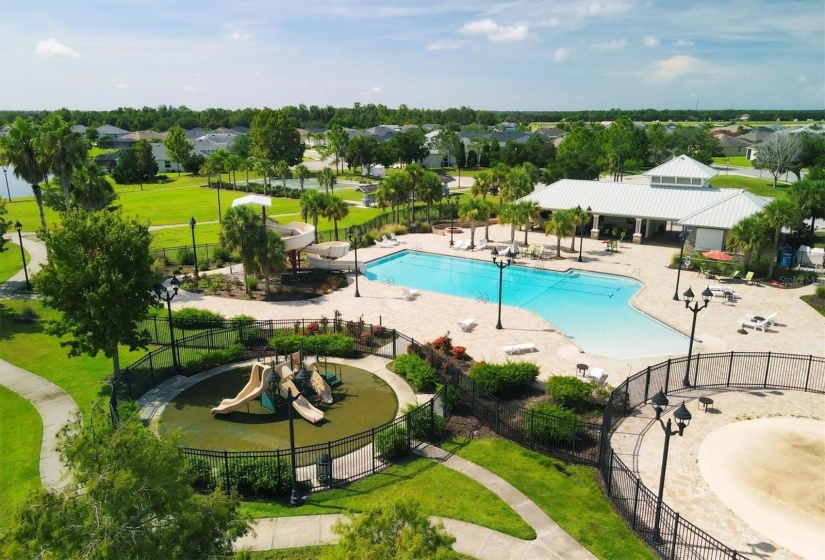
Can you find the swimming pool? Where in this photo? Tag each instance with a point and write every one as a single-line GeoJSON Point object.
{"type": "Point", "coordinates": [593, 310]}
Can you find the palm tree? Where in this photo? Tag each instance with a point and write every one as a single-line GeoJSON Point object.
{"type": "Point", "coordinates": [809, 194]}
{"type": "Point", "coordinates": [326, 177]}
{"type": "Point", "coordinates": [301, 172]}
{"type": "Point", "coordinates": [17, 149]}
{"type": "Point", "coordinates": [312, 204]}
{"type": "Point", "coordinates": [90, 188]}
{"type": "Point", "coordinates": [281, 170]}
{"type": "Point", "coordinates": [471, 211]}
{"type": "Point", "coordinates": [398, 184]}
{"type": "Point", "coordinates": [499, 175]}
{"type": "Point", "coordinates": [249, 164]}
{"type": "Point", "coordinates": [561, 225]}
{"type": "Point", "coordinates": [336, 209]}
{"type": "Point", "coordinates": [509, 214]}
{"type": "Point", "coordinates": [528, 210]}
{"type": "Point", "coordinates": [482, 184]}
{"type": "Point", "coordinates": [780, 213]}
{"type": "Point", "coordinates": [264, 166]}
{"type": "Point", "coordinates": [270, 257]}
{"type": "Point", "coordinates": [233, 163]}
{"type": "Point", "coordinates": [517, 183]}
{"type": "Point", "coordinates": [242, 232]}
{"type": "Point", "coordinates": [415, 171]}
{"type": "Point", "coordinates": [61, 151]}
{"type": "Point", "coordinates": [219, 164]}
{"type": "Point", "coordinates": [580, 218]}
{"type": "Point", "coordinates": [385, 196]}
{"type": "Point", "coordinates": [430, 190]}
{"type": "Point", "coordinates": [748, 235]}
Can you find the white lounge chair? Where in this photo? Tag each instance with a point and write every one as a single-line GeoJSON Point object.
{"type": "Point", "coordinates": [597, 375]}
{"type": "Point", "coordinates": [755, 324]}
{"type": "Point", "coordinates": [725, 292]}
{"type": "Point", "coordinates": [409, 294]}
{"type": "Point", "coordinates": [769, 318]}
{"type": "Point", "coordinates": [396, 239]}
{"type": "Point", "coordinates": [383, 245]}
{"type": "Point", "coordinates": [462, 245]}
{"type": "Point", "coordinates": [481, 245]}
{"type": "Point", "coordinates": [467, 325]}
{"type": "Point", "coordinates": [520, 348]}
{"type": "Point", "coordinates": [389, 242]}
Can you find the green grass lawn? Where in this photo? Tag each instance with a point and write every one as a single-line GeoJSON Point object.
{"type": "Point", "coordinates": [738, 161]}
{"type": "Point", "coordinates": [759, 187]}
{"type": "Point", "coordinates": [179, 236]}
{"type": "Point", "coordinates": [11, 262]}
{"type": "Point", "coordinates": [20, 431]}
{"type": "Point", "coordinates": [439, 490]}
{"type": "Point", "coordinates": [569, 494]}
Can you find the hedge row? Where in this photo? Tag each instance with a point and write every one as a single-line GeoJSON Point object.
{"type": "Point", "coordinates": [502, 380]}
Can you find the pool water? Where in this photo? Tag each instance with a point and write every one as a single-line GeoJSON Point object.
{"type": "Point", "coordinates": [593, 310]}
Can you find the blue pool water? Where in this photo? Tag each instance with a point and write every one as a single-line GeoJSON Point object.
{"type": "Point", "coordinates": [593, 310]}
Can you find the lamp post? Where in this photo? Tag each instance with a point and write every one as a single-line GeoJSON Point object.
{"type": "Point", "coordinates": [6, 176]}
{"type": "Point", "coordinates": [19, 227]}
{"type": "Point", "coordinates": [683, 417]}
{"type": "Point", "coordinates": [682, 238]}
{"type": "Point", "coordinates": [581, 231]}
{"type": "Point", "coordinates": [163, 294]}
{"type": "Point", "coordinates": [452, 203]}
{"type": "Point", "coordinates": [707, 295]}
{"type": "Point", "coordinates": [192, 224]}
{"type": "Point", "coordinates": [356, 236]}
{"type": "Point", "coordinates": [504, 263]}
{"type": "Point", "coordinates": [273, 379]}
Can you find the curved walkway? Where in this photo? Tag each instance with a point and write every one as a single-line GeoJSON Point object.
{"type": "Point", "coordinates": [37, 257]}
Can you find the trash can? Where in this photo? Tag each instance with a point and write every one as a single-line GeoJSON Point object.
{"type": "Point", "coordinates": [323, 469]}
{"type": "Point", "coordinates": [785, 259]}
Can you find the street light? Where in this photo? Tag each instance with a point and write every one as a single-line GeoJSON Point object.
{"type": "Point", "coordinates": [707, 295]}
{"type": "Point", "coordinates": [19, 227]}
{"type": "Point", "coordinates": [581, 230]}
{"type": "Point", "coordinates": [273, 379]}
{"type": "Point", "coordinates": [683, 417]}
{"type": "Point", "coordinates": [682, 238]}
{"type": "Point", "coordinates": [6, 176]}
{"type": "Point", "coordinates": [163, 294]}
{"type": "Point", "coordinates": [356, 236]}
{"type": "Point", "coordinates": [452, 203]}
{"type": "Point", "coordinates": [501, 266]}
{"type": "Point", "coordinates": [192, 224]}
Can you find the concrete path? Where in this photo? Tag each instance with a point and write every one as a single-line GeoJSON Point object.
{"type": "Point", "coordinates": [551, 542]}
{"type": "Point", "coordinates": [37, 258]}
{"type": "Point", "coordinates": [56, 408]}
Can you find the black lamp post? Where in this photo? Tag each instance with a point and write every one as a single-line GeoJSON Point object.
{"type": "Point", "coordinates": [581, 231]}
{"type": "Point", "coordinates": [272, 379]}
{"type": "Point", "coordinates": [683, 417]}
{"type": "Point", "coordinates": [19, 227]}
{"type": "Point", "coordinates": [356, 236]}
{"type": "Point", "coordinates": [192, 224]}
{"type": "Point", "coordinates": [6, 176]}
{"type": "Point", "coordinates": [163, 294]}
{"type": "Point", "coordinates": [452, 203]}
{"type": "Point", "coordinates": [707, 295]}
{"type": "Point", "coordinates": [502, 264]}
{"type": "Point", "coordinates": [682, 238]}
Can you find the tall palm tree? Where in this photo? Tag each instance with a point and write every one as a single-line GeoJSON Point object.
{"type": "Point", "coordinates": [561, 225]}
{"type": "Point", "coordinates": [517, 183]}
{"type": "Point", "coordinates": [326, 177]}
{"type": "Point", "coordinates": [90, 188]}
{"type": "Point", "coordinates": [249, 164]}
{"type": "Point", "coordinates": [580, 218]}
{"type": "Point", "coordinates": [430, 190]}
{"type": "Point", "coordinates": [17, 149]}
{"type": "Point", "coordinates": [509, 214]}
{"type": "Point", "coordinates": [499, 175]}
{"type": "Point", "coordinates": [472, 211]}
{"type": "Point", "coordinates": [270, 256]}
{"type": "Point", "coordinates": [281, 170]}
{"type": "Point", "coordinates": [528, 211]}
{"type": "Point", "coordinates": [233, 163]}
{"type": "Point", "coordinates": [241, 231]}
{"type": "Point", "coordinates": [809, 194]}
{"type": "Point", "coordinates": [312, 204]}
{"type": "Point", "coordinates": [415, 171]}
{"type": "Point", "coordinates": [264, 167]}
{"type": "Point", "coordinates": [301, 172]}
{"type": "Point", "coordinates": [748, 235]}
{"type": "Point", "coordinates": [398, 184]}
{"type": "Point", "coordinates": [385, 196]}
{"type": "Point", "coordinates": [780, 213]}
{"type": "Point", "coordinates": [482, 184]}
{"type": "Point", "coordinates": [61, 151]}
{"type": "Point", "coordinates": [336, 209]}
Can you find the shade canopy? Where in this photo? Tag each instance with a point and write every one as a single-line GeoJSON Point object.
{"type": "Point", "coordinates": [717, 255]}
{"type": "Point", "coordinates": [253, 199]}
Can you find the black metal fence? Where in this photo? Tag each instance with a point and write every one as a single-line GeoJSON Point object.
{"type": "Point", "coordinates": [679, 538]}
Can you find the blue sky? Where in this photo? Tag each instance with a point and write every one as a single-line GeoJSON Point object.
{"type": "Point", "coordinates": [521, 55]}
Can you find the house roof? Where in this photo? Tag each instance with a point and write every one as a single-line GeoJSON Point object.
{"type": "Point", "coordinates": [146, 135]}
{"type": "Point", "coordinates": [682, 166]}
{"type": "Point", "coordinates": [159, 151]}
{"type": "Point", "coordinates": [79, 128]}
{"type": "Point", "coordinates": [732, 141]}
{"type": "Point", "coordinates": [109, 130]}
{"type": "Point", "coordinates": [726, 212]}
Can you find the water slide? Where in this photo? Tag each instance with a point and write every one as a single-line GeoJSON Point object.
{"type": "Point", "coordinates": [252, 390]}
{"type": "Point", "coordinates": [327, 256]}
{"type": "Point", "coordinates": [296, 235]}
{"type": "Point", "coordinates": [301, 405]}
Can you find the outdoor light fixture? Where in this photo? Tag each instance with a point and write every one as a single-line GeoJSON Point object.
{"type": "Point", "coordinates": [688, 296]}
{"type": "Point", "coordinates": [502, 264]}
{"type": "Point", "coordinates": [192, 224]}
{"type": "Point", "coordinates": [163, 294]}
{"type": "Point", "coordinates": [682, 238]}
{"type": "Point", "coordinates": [581, 231]}
{"type": "Point", "coordinates": [683, 416]}
{"type": "Point", "coordinates": [452, 203]}
{"type": "Point", "coordinates": [356, 235]}
{"type": "Point", "coordinates": [19, 227]}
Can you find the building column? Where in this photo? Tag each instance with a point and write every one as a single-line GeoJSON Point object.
{"type": "Point", "coordinates": [637, 236]}
{"type": "Point", "coordinates": [594, 233]}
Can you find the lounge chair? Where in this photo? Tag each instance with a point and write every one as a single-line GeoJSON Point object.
{"type": "Point", "coordinates": [731, 278]}
{"type": "Point", "coordinates": [409, 294]}
{"type": "Point", "coordinates": [383, 245]}
{"type": "Point", "coordinates": [770, 318]}
{"type": "Point", "coordinates": [749, 279]}
{"type": "Point", "coordinates": [706, 273]}
{"type": "Point", "coordinates": [389, 242]}
{"type": "Point", "coordinates": [468, 245]}
{"type": "Point", "coordinates": [597, 375]}
{"type": "Point", "coordinates": [467, 325]}
{"type": "Point", "coordinates": [481, 245]}
{"type": "Point", "coordinates": [462, 245]}
{"type": "Point", "coordinates": [725, 292]}
{"type": "Point", "coordinates": [519, 348]}
{"type": "Point", "coordinates": [754, 323]}
{"type": "Point", "coordinates": [530, 250]}
{"type": "Point", "coordinates": [395, 239]}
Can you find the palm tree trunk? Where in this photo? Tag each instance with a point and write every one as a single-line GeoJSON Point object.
{"type": "Point", "coordinates": [66, 182]}
{"type": "Point", "coordinates": [247, 180]}
{"type": "Point", "coordinates": [335, 225]}
{"type": "Point", "coordinates": [38, 198]}
{"type": "Point", "coordinates": [512, 232]}
{"type": "Point", "coordinates": [558, 247]}
{"type": "Point", "coordinates": [775, 249]}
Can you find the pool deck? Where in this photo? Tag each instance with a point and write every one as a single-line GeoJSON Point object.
{"type": "Point", "coordinates": [800, 328]}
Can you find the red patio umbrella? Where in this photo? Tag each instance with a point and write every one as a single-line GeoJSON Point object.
{"type": "Point", "coordinates": [717, 255]}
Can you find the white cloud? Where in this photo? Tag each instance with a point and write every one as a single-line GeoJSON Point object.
{"type": "Point", "coordinates": [236, 32]}
{"type": "Point", "coordinates": [611, 45]}
{"type": "Point", "coordinates": [549, 22]}
{"type": "Point", "coordinates": [683, 43]}
{"type": "Point", "coordinates": [188, 88]}
{"type": "Point", "coordinates": [120, 82]}
{"type": "Point", "coordinates": [444, 45]}
{"type": "Point", "coordinates": [608, 8]}
{"type": "Point", "coordinates": [562, 54]}
{"type": "Point", "coordinates": [681, 65]}
{"type": "Point", "coordinates": [376, 89]}
{"type": "Point", "coordinates": [495, 32]}
{"type": "Point", "coordinates": [651, 41]}
{"type": "Point", "coordinates": [51, 48]}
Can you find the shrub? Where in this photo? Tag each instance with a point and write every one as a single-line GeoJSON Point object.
{"type": "Point", "coordinates": [552, 425]}
{"type": "Point", "coordinates": [252, 283]}
{"type": "Point", "coordinates": [215, 358]}
{"type": "Point", "coordinates": [191, 318]}
{"type": "Point", "coordinates": [186, 256]}
{"type": "Point", "coordinates": [570, 392]}
{"type": "Point", "coordinates": [820, 291]}
{"type": "Point", "coordinates": [458, 352]}
{"type": "Point", "coordinates": [221, 254]}
{"type": "Point", "coordinates": [337, 345]}
{"type": "Point", "coordinates": [414, 369]}
{"type": "Point", "coordinates": [391, 443]}
{"type": "Point", "coordinates": [418, 422]}
{"type": "Point", "coordinates": [259, 477]}
{"type": "Point", "coordinates": [503, 379]}
{"type": "Point", "coordinates": [203, 477]}
{"type": "Point", "coordinates": [443, 343]}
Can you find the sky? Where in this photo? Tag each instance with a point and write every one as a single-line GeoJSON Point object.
{"type": "Point", "coordinates": [498, 55]}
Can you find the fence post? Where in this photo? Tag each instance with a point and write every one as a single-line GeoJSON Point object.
{"type": "Point", "coordinates": [155, 321]}
{"type": "Point", "coordinates": [531, 422]}
{"type": "Point", "coordinates": [808, 374]}
{"type": "Point", "coordinates": [767, 370]}
{"type": "Point", "coordinates": [226, 485]}
{"type": "Point", "coordinates": [667, 376]}
{"type": "Point", "coordinates": [374, 450]}
{"type": "Point", "coordinates": [394, 349]}
{"type": "Point", "coordinates": [626, 397]}
{"type": "Point", "coordinates": [696, 370]}
{"type": "Point", "coordinates": [497, 415]}
{"type": "Point", "coordinates": [675, 533]}
{"type": "Point", "coordinates": [432, 419]}
{"type": "Point", "coordinates": [151, 370]}
{"type": "Point", "coordinates": [636, 503]}
{"type": "Point", "coordinates": [647, 384]}
{"type": "Point", "coordinates": [730, 369]}
{"type": "Point", "coordinates": [610, 476]}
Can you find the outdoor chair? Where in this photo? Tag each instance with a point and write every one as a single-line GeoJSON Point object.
{"type": "Point", "coordinates": [597, 375]}
{"type": "Point", "coordinates": [769, 319]}
{"type": "Point", "coordinates": [481, 245]}
{"type": "Point", "coordinates": [389, 242]}
{"type": "Point", "coordinates": [467, 325]}
{"type": "Point", "coordinates": [749, 279]}
{"type": "Point", "coordinates": [732, 278]}
{"type": "Point", "coordinates": [395, 239]}
{"type": "Point", "coordinates": [762, 324]}
{"type": "Point", "coordinates": [383, 245]}
{"type": "Point", "coordinates": [519, 348]}
{"type": "Point", "coordinates": [409, 294]}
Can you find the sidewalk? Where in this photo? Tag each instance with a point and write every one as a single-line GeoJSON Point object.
{"type": "Point", "coordinates": [37, 258]}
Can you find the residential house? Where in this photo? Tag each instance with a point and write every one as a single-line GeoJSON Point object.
{"type": "Point", "coordinates": [731, 146]}
{"type": "Point", "coordinates": [107, 130]}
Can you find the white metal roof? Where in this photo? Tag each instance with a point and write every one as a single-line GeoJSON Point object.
{"type": "Point", "coordinates": [253, 199]}
{"type": "Point", "coordinates": [682, 166]}
{"type": "Point", "coordinates": [726, 212]}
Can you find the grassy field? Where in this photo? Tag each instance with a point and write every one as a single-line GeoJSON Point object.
{"type": "Point", "coordinates": [20, 431]}
{"type": "Point", "coordinates": [738, 161]}
{"type": "Point", "coordinates": [759, 187]}
{"type": "Point", "coordinates": [10, 261]}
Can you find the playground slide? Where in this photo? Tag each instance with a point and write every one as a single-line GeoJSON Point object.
{"type": "Point", "coordinates": [252, 390]}
{"type": "Point", "coordinates": [301, 405]}
{"type": "Point", "coordinates": [320, 387]}
{"type": "Point", "coordinates": [296, 235]}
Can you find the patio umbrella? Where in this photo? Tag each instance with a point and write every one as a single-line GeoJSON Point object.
{"type": "Point", "coordinates": [717, 255]}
